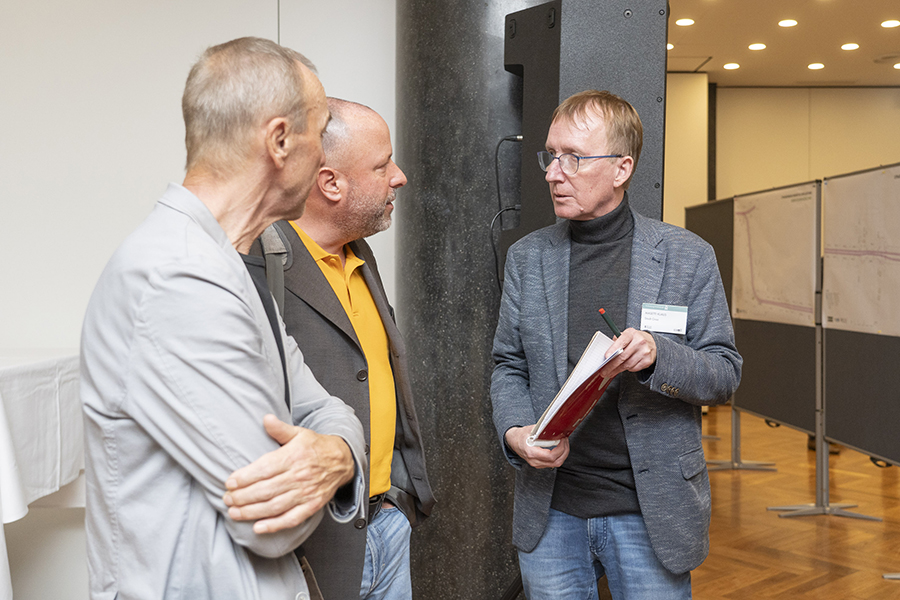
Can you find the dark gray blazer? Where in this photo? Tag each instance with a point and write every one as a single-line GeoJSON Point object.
{"type": "Point", "coordinates": [313, 315]}
{"type": "Point", "coordinates": [659, 408]}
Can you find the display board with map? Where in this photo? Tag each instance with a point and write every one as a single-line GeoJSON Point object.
{"type": "Point", "coordinates": [780, 239]}
{"type": "Point", "coordinates": [860, 290]}
{"type": "Point", "coordinates": [776, 254]}
{"type": "Point", "coordinates": [861, 265]}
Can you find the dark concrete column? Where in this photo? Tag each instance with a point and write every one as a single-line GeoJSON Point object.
{"type": "Point", "coordinates": [455, 102]}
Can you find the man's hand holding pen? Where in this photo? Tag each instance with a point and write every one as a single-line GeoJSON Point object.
{"type": "Point", "coordinates": [638, 349]}
{"type": "Point", "coordinates": [638, 353]}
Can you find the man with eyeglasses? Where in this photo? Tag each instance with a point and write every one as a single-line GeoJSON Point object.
{"type": "Point", "coordinates": [628, 493]}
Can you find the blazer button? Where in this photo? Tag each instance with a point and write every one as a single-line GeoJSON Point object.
{"type": "Point", "coordinates": [362, 375]}
{"type": "Point", "coordinates": [664, 388]}
{"type": "Point", "coordinates": [360, 523]}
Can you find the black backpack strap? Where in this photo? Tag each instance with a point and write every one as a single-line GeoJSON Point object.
{"type": "Point", "coordinates": [277, 252]}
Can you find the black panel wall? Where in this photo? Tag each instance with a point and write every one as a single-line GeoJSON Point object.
{"type": "Point", "coordinates": [714, 222]}
{"type": "Point", "coordinates": [778, 380]}
{"type": "Point", "coordinates": [862, 392]}
{"type": "Point", "coordinates": [567, 46]}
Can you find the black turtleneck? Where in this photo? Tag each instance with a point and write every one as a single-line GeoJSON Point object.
{"type": "Point", "coordinates": [596, 480]}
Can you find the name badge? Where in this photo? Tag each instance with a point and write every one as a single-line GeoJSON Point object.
{"type": "Point", "coordinates": [664, 318]}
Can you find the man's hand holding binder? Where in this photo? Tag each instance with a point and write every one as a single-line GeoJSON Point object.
{"type": "Point", "coordinates": [536, 456]}
{"type": "Point", "coordinates": [545, 444]}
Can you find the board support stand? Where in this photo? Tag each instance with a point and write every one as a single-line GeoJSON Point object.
{"type": "Point", "coordinates": [736, 464]}
{"type": "Point", "coordinates": [822, 505]}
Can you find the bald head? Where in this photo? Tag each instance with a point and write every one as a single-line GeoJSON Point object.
{"type": "Point", "coordinates": [349, 120]}
{"type": "Point", "coordinates": [356, 188]}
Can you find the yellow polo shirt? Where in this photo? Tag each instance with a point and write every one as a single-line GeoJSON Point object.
{"type": "Point", "coordinates": [350, 287]}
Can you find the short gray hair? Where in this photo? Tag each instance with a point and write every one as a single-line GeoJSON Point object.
{"type": "Point", "coordinates": [233, 88]}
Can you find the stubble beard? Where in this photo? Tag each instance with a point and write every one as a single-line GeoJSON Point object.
{"type": "Point", "coordinates": [368, 216]}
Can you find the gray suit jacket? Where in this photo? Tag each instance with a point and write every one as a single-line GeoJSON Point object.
{"type": "Point", "coordinates": [178, 367]}
{"type": "Point", "coordinates": [659, 407]}
{"type": "Point", "coordinates": [315, 318]}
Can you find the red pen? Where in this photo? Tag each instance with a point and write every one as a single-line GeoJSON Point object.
{"type": "Point", "coordinates": [609, 322]}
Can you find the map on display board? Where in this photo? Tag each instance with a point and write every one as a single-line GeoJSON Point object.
{"type": "Point", "coordinates": [861, 235]}
{"type": "Point", "coordinates": [775, 255]}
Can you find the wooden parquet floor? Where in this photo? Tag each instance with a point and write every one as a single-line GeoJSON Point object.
{"type": "Point", "coordinates": [757, 554]}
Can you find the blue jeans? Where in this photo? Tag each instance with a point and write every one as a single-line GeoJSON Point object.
{"type": "Point", "coordinates": [386, 571]}
{"type": "Point", "coordinates": [573, 553]}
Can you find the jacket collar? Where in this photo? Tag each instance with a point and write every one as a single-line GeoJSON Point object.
{"type": "Point", "coordinates": [647, 269]}
{"type": "Point", "coordinates": [180, 199]}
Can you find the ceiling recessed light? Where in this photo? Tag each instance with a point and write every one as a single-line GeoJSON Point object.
{"type": "Point", "coordinates": [731, 66]}
{"type": "Point", "coordinates": [684, 22]}
{"type": "Point", "coordinates": [757, 46]}
{"type": "Point", "coordinates": [850, 47]}
{"type": "Point", "coordinates": [669, 46]}
{"type": "Point", "coordinates": [816, 66]}
{"type": "Point", "coordinates": [891, 23]}
{"type": "Point", "coordinates": [787, 23]}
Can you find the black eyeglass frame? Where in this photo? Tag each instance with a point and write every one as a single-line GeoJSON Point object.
{"type": "Point", "coordinates": [549, 161]}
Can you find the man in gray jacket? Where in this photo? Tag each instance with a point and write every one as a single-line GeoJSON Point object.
{"type": "Point", "coordinates": [187, 373]}
{"type": "Point", "coordinates": [628, 493]}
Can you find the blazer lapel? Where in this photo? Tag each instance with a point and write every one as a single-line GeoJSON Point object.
{"type": "Point", "coordinates": [307, 282]}
{"type": "Point", "coordinates": [376, 288]}
{"type": "Point", "coordinates": [555, 276]}
{"type": "Point", "coordinates": [648, 264]}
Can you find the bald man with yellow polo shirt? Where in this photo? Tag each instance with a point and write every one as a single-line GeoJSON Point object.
{"type": "Point", "coordinates": [336, 309]}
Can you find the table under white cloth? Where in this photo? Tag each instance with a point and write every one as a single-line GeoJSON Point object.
{"type": "Point", "coordinates": [41, 433]}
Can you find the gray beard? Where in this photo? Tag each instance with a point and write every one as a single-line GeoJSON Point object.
{"type": "Point", "coordinates": [367, 217]}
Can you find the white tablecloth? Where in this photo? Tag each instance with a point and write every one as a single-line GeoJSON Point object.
{"type": "Point", "coordinates": [41, 432]}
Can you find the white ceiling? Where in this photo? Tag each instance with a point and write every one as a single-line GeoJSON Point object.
{"type": "Point", "coordinates": [723, 29]}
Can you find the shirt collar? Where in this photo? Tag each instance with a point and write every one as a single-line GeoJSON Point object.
{"type": "Point", "coordinates": [320, 255]}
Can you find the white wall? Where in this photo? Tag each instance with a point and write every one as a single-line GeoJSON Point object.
{"type": "Point", "coordinates": [353, 45]}
{"type": "Point", "coordinates": [771, 137]}
{"type": "Point", "coordinates": [687, 124]}
{"type": "Point", "coordinates": [92, 129]}
{"type": "Point", "coordinates": [91, 132]}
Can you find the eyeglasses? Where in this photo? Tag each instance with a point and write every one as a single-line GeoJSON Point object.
{"type": "Point", "coordinates": [567, 162]}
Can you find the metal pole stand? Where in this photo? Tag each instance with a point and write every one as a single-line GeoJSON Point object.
{"type": "Point", "coordinates": [704, 410]}
{"type": "Point", "coordinates": [736, 463]}
{"type": "Point", "coordinates": [822, 506]}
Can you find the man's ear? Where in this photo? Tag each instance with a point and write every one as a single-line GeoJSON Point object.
{"type": "Point", "coordinates": [623, 171]}
{"type": "Point", "coordinates": [277, 141]}
{"type": "Point", "coordinates": [331, 183]}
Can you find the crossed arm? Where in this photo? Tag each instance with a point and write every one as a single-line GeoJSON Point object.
{"type": "Point", "coordinates": [201, 397]}
{"type": "Point", "coordinates": [287, 486]}
{"type": "Point", "coordinates": [321, 458]}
